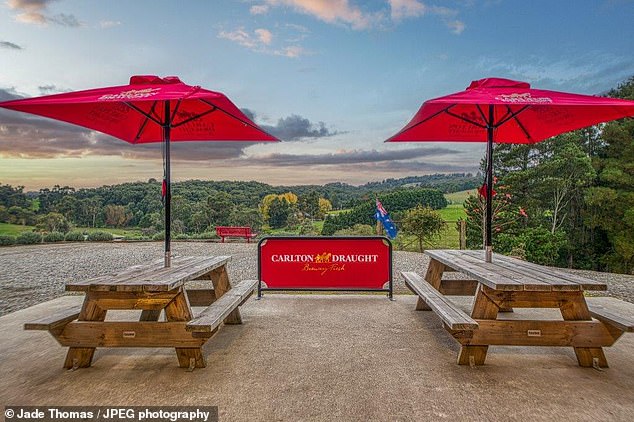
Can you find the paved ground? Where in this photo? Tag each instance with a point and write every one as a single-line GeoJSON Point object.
{"type": "Point", "coordinates": [313, 358]}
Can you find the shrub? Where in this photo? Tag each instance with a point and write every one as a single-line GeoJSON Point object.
{"type": "Point", "coordinates": [75, 236]}
{"type": "Point", "coordinates": [181, 236]}
{"type": "Point", "coordinates": [28, 238]}
{"type": "Point", "coordinates": [159, 236]}
{"type": "Point", "coordinates": [100, 237]}
{"type": "Point", "coordinates": [6, 240]}
{"type": "Point", "coordinates": [54, 237]}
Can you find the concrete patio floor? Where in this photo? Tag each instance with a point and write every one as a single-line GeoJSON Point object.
{"type": "Point", "coordinates": [323, 357]}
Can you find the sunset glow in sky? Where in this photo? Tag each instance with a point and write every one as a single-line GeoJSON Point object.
{"type": "Point", "coordinates": [332, 78]}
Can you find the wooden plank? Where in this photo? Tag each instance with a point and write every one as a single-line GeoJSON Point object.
{"type": "Point", "coordinates": [532, 299]}
{"type": "Point", "coordinates": [434, 273]}
{"type": "Point", "coordinates": [540, 333]}
{"type": "Point", "coordinates": [550, 275]}
{"type": "Point", "coordinates": [612, 311]}
{"type": "Point", "coordinates": [453, 317]}
{"type": "Point", "coordinates": [220, 279]}
{"type": "Point", "coordinates": [211, 317]}
{"type": "Point", "coordinates": [152, 277]}
{"type": "Point", "coordinates": [586, 356]}
{"type": "Point", "coordinates": [201, 297]}
{"type": "Point", "coordinates": [458, 287]}
{"type": "Point", "coordinates": [528, 281]}
{"type": "Point", "coordinates": [131, 300]}
{"type": "Point", "coordinates": [127, 334]}
{"type": "Point", "coordinates": [81, 357]}
{"type": "Point", "coordinates": [483, 308]}
{"type": "Point", "coordinates": [54, 321]}
{"type": "Point", "coordinates": [483, 272]}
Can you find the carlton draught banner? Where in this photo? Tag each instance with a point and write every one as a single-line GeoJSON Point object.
{"type": "Point", "coordinates": [325, 263]}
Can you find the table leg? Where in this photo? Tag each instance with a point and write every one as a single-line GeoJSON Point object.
{"type": "Point", "coordinates": [433, 276]}
{"type": "Point", "coordinates": [577, 310]}
{"type": "Point", "coordinates": [483, 308]}
{"type": "Point", "coordinates": [220, 279]}
{"type": "Point", "coordinates": [81, 357]}
{"type": "Point", "coordinates": [179, 310]}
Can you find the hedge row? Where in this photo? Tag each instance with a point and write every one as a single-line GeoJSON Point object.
{"type": "Point", "coordinates": [32, 238]}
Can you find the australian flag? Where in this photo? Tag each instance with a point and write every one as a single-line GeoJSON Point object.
{"type": "Point", "coordinates": [382, 216]}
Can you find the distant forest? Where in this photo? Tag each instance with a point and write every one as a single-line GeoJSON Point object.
{"type": "Point", "coordinates": [199, 206]}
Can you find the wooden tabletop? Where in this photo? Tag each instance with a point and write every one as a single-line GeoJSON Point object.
{"type": "Point", "coordinates": [153, 276]}
{"type": "Point", "coordinates": [506, 273]}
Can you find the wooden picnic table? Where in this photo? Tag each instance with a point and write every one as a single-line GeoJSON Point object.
{"type": "Point", "coordinates": [508, 283]}
{"type": "Point", "coordinates": [152, 289]}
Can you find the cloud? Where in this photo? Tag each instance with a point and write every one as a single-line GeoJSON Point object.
{"type": "Point", "coordinates": [590, 71]}
{"type": "Point", "coordinates": [259, 9]}
{"type": "Point", "coordinates": [36, 12]}
{"type": "Point", "coordinates": [355, 156]}
{"type": "Point", "coordinates": [243, 38]}
{"type": "Point", "coordinates": [10, 46]}
{"type": "Point", "coordinates": [331, 11]}
{"type": "Point", "coordinates": [261, 41]}
{"type": "Point", "coordinates": [406, 9]}
{"type": "Point", "coordinates": [294, 127]}
{"type": "Point", "coordinates": [345, 12]}
{"type": "Point", "coordinates": [291, 52]}
{"type": "Point", "coordinates": [457, 27]}
{"type": "Point", "coordinates": [109, 24]}
{"type": "Point", "coordinates": [264, 36]}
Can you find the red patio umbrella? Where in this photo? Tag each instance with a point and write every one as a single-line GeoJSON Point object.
{"type": "Point", "coordinates": [150, 109]}
{"type": "Point", "coordinates": [506, 111]}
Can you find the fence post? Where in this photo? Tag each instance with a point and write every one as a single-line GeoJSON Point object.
{"type": "Point", "coordinates": [463, 234]}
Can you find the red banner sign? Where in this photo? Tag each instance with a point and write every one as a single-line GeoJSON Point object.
{"type": "Point", "coordinates": [325, 263]}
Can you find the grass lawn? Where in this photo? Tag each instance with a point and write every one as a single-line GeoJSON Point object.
{"type": "Point", "coordinates": [452, 213]}
{"type": "Point", "coordinates": [14, 229]}
{"type": "Point", "coordinates": [458, 197]}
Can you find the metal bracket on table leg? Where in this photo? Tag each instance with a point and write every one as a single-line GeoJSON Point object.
{"type": "Point", "coordinates": [595, 364]}
{"type": "Point", "coordinates": [192, 365]}
{"type": "Point", "coordinates": [472, 361]}
{"type": "Point", "coordinates": [75, 364]}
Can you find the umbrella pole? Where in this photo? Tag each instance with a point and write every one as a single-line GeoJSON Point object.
{"type": "Point", "coordinates": [168, 188]}
{"type": "Point", "coordinates": [488, 249]}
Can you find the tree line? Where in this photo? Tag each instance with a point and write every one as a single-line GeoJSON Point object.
{"type": "Point", "coordinates": [197, 206]}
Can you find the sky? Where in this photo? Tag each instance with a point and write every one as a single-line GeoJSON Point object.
{"type": "Point", "coordinates": [331, 78]}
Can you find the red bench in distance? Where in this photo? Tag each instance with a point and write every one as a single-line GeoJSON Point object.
{"type": "Point", "coordinates": [244, 232]}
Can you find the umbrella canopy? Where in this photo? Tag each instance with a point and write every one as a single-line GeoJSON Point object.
{"type": "Point", "coordinates": [150, 109]}
{"type": "Point", "coordinates": [506, 111]}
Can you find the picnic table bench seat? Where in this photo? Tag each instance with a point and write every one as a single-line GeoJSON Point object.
{"type": "Point", "coordinates": [55, 321]}
{"type": "Point", "coordinates": [615, 312]}
{"type": "Point", "coordinates": [220, 310]}
{"type": "Point", "coordinates": [453, 317]}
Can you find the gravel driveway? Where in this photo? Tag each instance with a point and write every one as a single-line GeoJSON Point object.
{"type": "Point", "coordinates": [34, 274]}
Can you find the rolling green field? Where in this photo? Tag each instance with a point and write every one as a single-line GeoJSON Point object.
{"type": "Point", "coordinates": [452, 213]}
{"type": "Point", "coordinates": [458, 198]}
{"type": "Point", "coordinates": [14, 229]}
